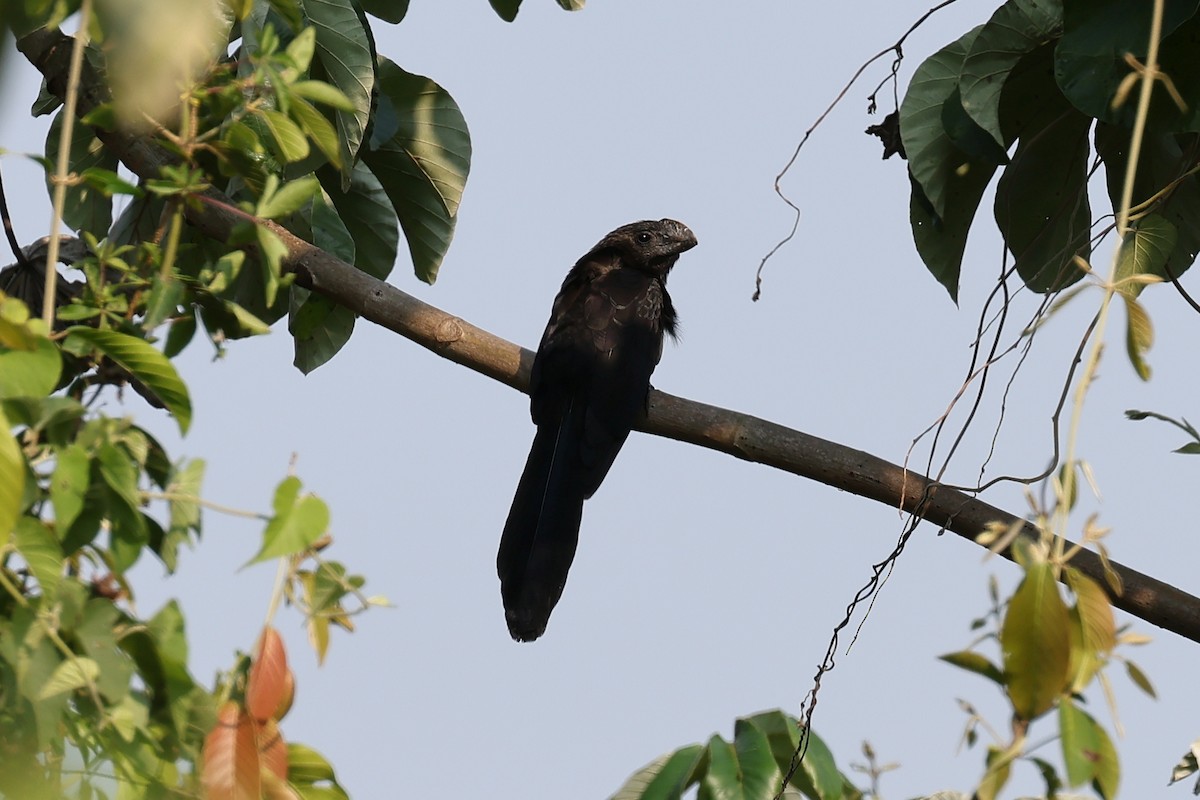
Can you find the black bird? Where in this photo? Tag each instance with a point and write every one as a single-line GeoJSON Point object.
{"type": "Point", "coordinates": [589, 384]}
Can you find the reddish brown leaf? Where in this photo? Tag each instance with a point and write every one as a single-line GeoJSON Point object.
{"type": "Point", "coordinates": [270, 677]}
{"type": "Point", "coordinates": [231, 763]}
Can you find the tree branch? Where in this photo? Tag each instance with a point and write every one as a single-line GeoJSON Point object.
{"type": "Point", "coordinates": [731, 432]}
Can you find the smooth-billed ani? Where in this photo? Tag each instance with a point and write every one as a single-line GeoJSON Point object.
{"type": "Point", "coordinates": [589, 383]}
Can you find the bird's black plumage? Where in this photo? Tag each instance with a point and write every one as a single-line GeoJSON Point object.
{"type": "Point", "coordinates": [589, 384]}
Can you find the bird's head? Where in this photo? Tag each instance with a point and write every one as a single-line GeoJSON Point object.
{"type": "Point", "coordinates": [649, 245]}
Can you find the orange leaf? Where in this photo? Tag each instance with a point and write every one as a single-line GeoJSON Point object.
{"type": "Point", "coordinates": [267, 686]}
{"type": "Point", "coordinates": [231, 764]}
{"type": "Point", "coordinates": [272, 750]}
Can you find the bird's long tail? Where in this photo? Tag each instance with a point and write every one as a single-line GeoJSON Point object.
{"type": "Point", "coordinates": [542, 530]}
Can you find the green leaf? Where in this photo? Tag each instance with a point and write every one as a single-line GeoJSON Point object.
{"type": "Point", "coordinates": [1088, 752]}
{"type": "Point", "coordinates": [69, 485]}
{"type": "Point", "coordinates": [975, 662]}
{"type": "Point", "coordinates": [933, 160]}
{"type": "Point", "coordinates": [180, 334]}
{"type": "Point", "coordinates": [1049, 776]}
{"type": "Point", "coordinates": [507, 9]}
{"type": "Point", "coordinates": [30, 372]}
{"type": "Point", "coordinates": [1140, 679]}
{"type": "Point", "coordinates": [297, 523]}
{"type": "Point", "coordinates": [271, 252]}
{"type": "Point", "coordinates": [120, 473]}
{"type": "Point", "coordinates": [999, 765]}
{"type": "Point", "coordinates": [86, 208]}
{"type": "Point", "coordinates": [319, 129]}
{"type": "Point", "coordinates": [323, 93]}
{"type": "Point", "coordinates": [12, 479]}
{"type": "Point", "coordinates": [387, 10]}
{"type": "Point", "coordinates": [1035, 639]}
{"type": "Point", "coordinates": [37, 545]}
{"type": "Point", "coordinates": [307, 767]}
{"type": "Point", "coordinates": [289, 199]}
{"type": "Point", "coordinates": [368, 216]}
{"type": "Point", "coordinates": [290, 143]}
{"type": "Point", "coordinates": [1042, 207]}
{"type": "Point", "coordinates": [667, 777]}
{"type": "Point", "coordinates": [1145, 250]}
{"type": "Point", "coordinates": [818, 775]}
{"type": "Point", "coordinates": [1090, 60]}
{"type": "Point", "coordinates": [347, 56]}
{"type": "Point", "coordinates": [97, 636]}
{"type": "Point", "coordinates": [571, 5]}
{"type": "Point", "coordinates": [144, 362]}
{"type": "Point", "coordinates": [163, 302]}
{"type": "Point", "coordinates": [760, 775]}
{"type": "Point", "coordinates": [1015, 29]}
{"type": "Point", "coordinates": [947, 184]}
{"type": "Point", "coordinates": [721, 779]}
{"type": "Point", "coordinates": [421, 154]}
{"type": "Point", "coordinates": [71, 674]}
{"type": "Point", "coordinates": [1164, 159]}
{"type": "Point", "coordinates": [320, 328]}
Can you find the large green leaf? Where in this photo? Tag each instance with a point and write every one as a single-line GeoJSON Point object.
{"type": "Point", "coordinates": [1035, 639]}
{"type": "Point", "coordinates": [1016, 28]}
{"type": "Point", "coordinates": [666, 777]}
{"type": "Point", "coordinates": [1042, 206]}
{"type": "Point", "coordinates": [143, 362]}
{"type": "Point", "coordinates": [347, 57]}
{"type": "Point", "coordinates": [947, 183]}
{"type": "Point", "coordinates": [368, 216]}
{"type": "Point", "coordinates": [1162, 173]}
{"type": "Point", "coordinates": [818, 775]}
{"type": "Point", "coordinates": [319, 326]}
{"type": "Point", "coordinates": [760, 774]}
{"type": "Point", "coordinates": [1090, 59]}
{"type": "Point", "coordinates": [933, 158]}
{"type": "Point", "coordinates": [421, 154]}
{"type": "Point", "coordinates": [387, 10]}
{"type": "Point", "coordinates": [86, 208]}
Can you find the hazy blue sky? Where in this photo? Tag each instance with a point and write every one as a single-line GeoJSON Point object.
{"type": "Point", "coordinates": [704, 588]}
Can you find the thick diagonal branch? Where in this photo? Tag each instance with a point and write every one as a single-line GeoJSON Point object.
{"type": "Point", "coordinates": [737, 434]}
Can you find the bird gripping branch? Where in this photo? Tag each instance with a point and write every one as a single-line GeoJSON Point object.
{"type": "Point", "coordinates": [589, 385]}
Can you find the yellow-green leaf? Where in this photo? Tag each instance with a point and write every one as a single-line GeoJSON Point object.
{"type": "Point", "coordinates": [1035, 639]}
{"type": "Point", "coordinates": [290, 142]}
{"type": "Point", "coordinates": [12, 479]}
{"type": "Point", "coordinates": [1139, 336]}
{"type": "Point", "coordinates": [41, 551]}
{"type": "Point", "coordinates": [71, 674]}
{"type": "Point", "coordinates": [69, 485]}
{"type": "Point", "coordinates": [1095, 628]}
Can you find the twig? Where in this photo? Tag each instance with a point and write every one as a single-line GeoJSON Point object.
{"type": "Point", "coordinates": [64, 159]}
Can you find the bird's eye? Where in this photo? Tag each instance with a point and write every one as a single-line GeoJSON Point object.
{"type": "Point", "coordinates": [644, 237]}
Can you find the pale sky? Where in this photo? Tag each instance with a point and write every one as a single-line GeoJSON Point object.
{"type": "Point", "coordinates": [705, 588]}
